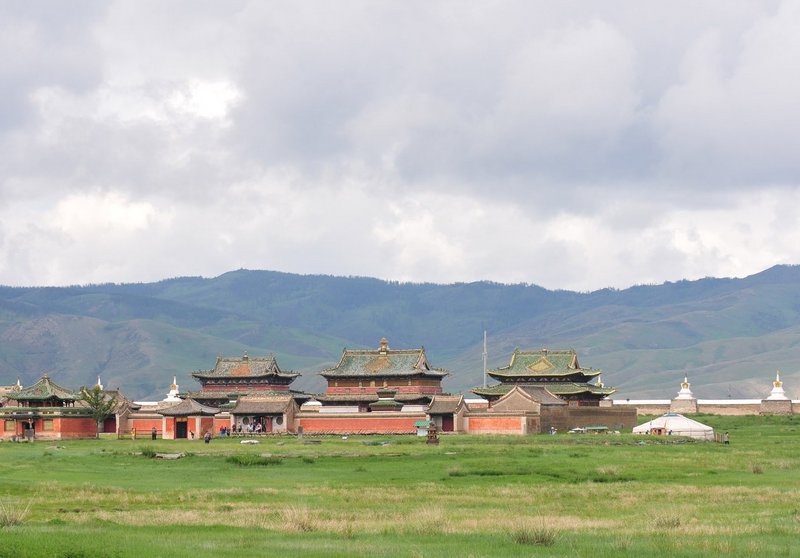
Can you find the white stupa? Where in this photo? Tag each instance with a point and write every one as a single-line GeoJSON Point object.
{"type": "Point", "coordinates": [777, 392]}
{"type": "Point", "coordinates": [172, 396]}
{"type": "Point", "coordinates": [686, 391]}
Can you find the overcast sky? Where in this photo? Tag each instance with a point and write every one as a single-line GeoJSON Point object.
{"type": "Point", "coordinates": [571, 145]}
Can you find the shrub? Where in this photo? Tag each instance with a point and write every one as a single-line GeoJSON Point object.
{"type": "Point", "coordinates": [147, 451]}
{"type": "Point", "coordinates": [13, 515]}
{"type": "Point", "coordinates": [250, 460]}
{"type": "Point", "coordinates": [299, 519]}
{"type": "Point", "coordinates": [666, 521]}
{"type": "Point", "coordinates": [757, 469]}
{"type": "Point", "coordinates": [538, 535]}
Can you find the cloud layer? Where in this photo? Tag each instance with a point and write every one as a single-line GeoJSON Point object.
{"type": "Point", "coordinates": [569, 145]}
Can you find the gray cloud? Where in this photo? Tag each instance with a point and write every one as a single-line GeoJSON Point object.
{"type": "Point", "coordinates": [618, 142]}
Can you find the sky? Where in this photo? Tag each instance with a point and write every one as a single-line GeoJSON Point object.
{"type": "Point", "coordinates": [572, 145]}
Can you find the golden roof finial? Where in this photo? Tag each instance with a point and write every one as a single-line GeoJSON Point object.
{"type": "Point", "coordinates": [384, 345]}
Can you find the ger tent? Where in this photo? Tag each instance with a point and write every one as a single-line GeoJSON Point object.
{"type": "Point", "coordinates": [676, 425]}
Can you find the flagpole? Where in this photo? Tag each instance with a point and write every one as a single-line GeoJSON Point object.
{"type": "Point", "coordinates": [485, 354]}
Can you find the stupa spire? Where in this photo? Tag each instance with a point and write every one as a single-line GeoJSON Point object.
{"type": "Point", "coordinates": [686, 389]}
{"type": "Point", "coordinates": [777, 392]}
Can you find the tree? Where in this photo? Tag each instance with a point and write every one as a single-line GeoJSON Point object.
{"type": "Point", "coordinates": [100, 404]}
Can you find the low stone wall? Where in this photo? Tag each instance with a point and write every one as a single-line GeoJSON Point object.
{"type": "Point", "coordinates": [729, 410]}
{"type": "Point", "coordinates": [733, 407]}
{"type": "Point", "coordinates": [776, 407]}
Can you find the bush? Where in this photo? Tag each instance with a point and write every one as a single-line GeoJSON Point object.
{"type": "Point", "coordinates": [250, 460]}
{"type": "Point", "coordinates": [666, 521]}
{"type": "Point", "coordinates": [540, 535]}
{"type": "Point", "coordinates": [11, 516]}
{"type": "Point", "coordinates": [147, 451]}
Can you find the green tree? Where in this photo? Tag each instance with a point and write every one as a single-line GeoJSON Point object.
{"type": "Point", "coordinates": [100, 404]}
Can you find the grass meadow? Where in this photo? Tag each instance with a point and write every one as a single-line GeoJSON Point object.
{"type": "Point", "coordinates": [573, 495]}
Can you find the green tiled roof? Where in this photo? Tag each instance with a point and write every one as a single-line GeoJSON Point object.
{"type": "Point", "coordinates": [383, 362]}
{"type": "Point", "coordinates": [233, 393]}
{"type": "Point", "coordinates": [544, 363]}
{"type": "Point", "coordinates": [369, 397]}
{"type": "Point", "coordinates": [556, 388]}
{"type": "Point", "coordinates": [244, 366]}
{"type": "Point", "coordinates": [42, 390]}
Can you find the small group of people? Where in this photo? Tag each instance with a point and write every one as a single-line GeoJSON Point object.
{"type": "Point", "coordinates": [255, 427]}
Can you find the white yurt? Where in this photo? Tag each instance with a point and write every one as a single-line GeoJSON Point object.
{"type": "Point", "coordinates": [676, 425]}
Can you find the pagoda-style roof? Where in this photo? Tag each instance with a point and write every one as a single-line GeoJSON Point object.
{"type": "Point", "coordinates": [445, 404]}
{"type": "Point", "coordinates": [187, 408]}
{"type": "Point", "coordinates": [368, 397]}
{"type": "Point", "coordinates": [245, 367]}
{"type": "Point", "coordinates": [383, 362]}
{"type": "Point", "coordinates": [43, 390]}
{"type": "Point", "coordinates": [554, 388]}
{"type": "Point", "coordinates": [262, 405]}
{"type": "Point", "coordinates": [544, 363]}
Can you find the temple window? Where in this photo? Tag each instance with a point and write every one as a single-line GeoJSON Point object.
{"type": "Point", "coordinates": [47, 425]}
{"type": "Point", "coordinates": [10, 426]}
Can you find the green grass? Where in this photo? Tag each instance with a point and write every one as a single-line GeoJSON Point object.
{"type": "Point", "coordinates": [585, 495]}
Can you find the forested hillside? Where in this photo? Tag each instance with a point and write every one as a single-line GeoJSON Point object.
{"type": "Point", "coordinates": [729, 335]}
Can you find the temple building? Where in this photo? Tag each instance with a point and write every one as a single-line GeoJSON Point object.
{"type": "Point", "coordinates": [187, 419]}
{"type": "Point", "coordinates": [45, 410]}
{"type": "Point", "coordinates": [557, 371]}
{"type": "Point", "coordinates": [240, 394]}
{"type": "Point", "coordinates": [232, 378]}
{"type": "Point", "coordinates": [360, 374]}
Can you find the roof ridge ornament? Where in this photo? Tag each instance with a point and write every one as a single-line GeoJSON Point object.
{"type": "Point", "coordinates": [384, 346]}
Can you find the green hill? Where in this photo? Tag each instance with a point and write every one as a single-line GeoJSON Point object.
{"type": "Point", "coordinates": [729, 335]}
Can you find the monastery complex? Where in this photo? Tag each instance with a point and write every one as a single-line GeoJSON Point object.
{"type": "Point", "coordinates": [369, 391]}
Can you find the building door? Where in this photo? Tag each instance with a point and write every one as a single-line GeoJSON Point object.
{"type": "Point", "coordinates": [181, 429]}
{"type": "Point", "coordinates": [110, 424]}
{"type": "Point", "coordinates": [447, 423]}
{"type": "Point", "coordinates": [267, 424]}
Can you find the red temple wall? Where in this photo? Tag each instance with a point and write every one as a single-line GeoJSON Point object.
{"type": "Point", "coordinates": [368, 423]}
{"type": "Point", "coordinates": [220, 422]}
{"type": "Point", "coordinates": [143, 426]}
{"type": "Point", "coordinates": [74, 427]}
{"type": "Point", "coordinates": [496, 424]}
{"type": "Point", "coordinates": [206, 425]}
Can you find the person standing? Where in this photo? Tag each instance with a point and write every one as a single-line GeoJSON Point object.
{"type": "Point", "coordinates": [154, 433]}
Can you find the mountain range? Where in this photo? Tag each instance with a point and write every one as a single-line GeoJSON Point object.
{"type": "Point", "coordinates": [728, 335]}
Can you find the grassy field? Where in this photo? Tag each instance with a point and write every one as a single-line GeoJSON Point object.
{"type": "Point", "coordinates": [578, 495]}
